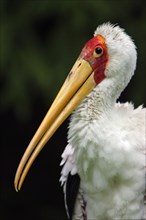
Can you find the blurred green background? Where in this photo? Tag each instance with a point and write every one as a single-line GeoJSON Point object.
{"type": "Point", "coordinates": [40, 41]}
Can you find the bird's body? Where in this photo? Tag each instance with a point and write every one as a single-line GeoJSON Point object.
{"type": "Point", "coordinates": [105, 159]}
{"type": "Point", "coordinates": [108, 153]}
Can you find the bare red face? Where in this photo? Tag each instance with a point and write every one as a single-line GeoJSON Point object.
{"type": "Point", "coordinates": [95, 52]}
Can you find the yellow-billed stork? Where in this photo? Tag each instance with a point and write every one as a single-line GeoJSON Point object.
{"type": "Point", "coordinates": [104, 162]}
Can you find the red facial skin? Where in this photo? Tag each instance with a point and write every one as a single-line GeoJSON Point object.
{"type": "Point", "coordinates": [98, 63]}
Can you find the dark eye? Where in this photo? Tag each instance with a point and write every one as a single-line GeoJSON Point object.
{"type": "Point", "coordinates": [98, 51]}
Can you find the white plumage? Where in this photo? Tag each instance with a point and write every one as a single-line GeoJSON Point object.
{"type": "Point", "coordinates": [107, 141]}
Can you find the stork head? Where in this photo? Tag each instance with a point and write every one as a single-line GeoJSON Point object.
{"type": "Point", "coordinates": [121, 52]}
{"type": "Point", "coordinates": [110, 56]}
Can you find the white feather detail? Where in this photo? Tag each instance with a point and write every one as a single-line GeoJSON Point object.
{"type": "Point", "coordinates": [68, 162]}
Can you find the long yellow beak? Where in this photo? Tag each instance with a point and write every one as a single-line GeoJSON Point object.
{"type": "Point", "coordinates": [77, 85]}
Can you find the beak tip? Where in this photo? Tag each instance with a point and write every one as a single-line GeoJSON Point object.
{"type": "Point", "coordinates": [16, 186]}
{"type": "Point", "coordinates": [16, 189]}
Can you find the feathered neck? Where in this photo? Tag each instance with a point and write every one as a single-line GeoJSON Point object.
{"type": "Point", "coordinates": [99, 102]}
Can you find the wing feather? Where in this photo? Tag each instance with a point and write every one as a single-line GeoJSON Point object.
{"type": "Point", "coordinates": [72, 190]}
{"type": "Point", "coordinates": [73, 195]}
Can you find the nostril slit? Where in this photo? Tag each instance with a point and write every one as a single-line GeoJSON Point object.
{"type": "Point", "coordinates": [69, 75]}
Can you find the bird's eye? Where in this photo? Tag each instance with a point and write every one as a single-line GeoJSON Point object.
{"type": "Point", "coordinates": [98, 51]}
